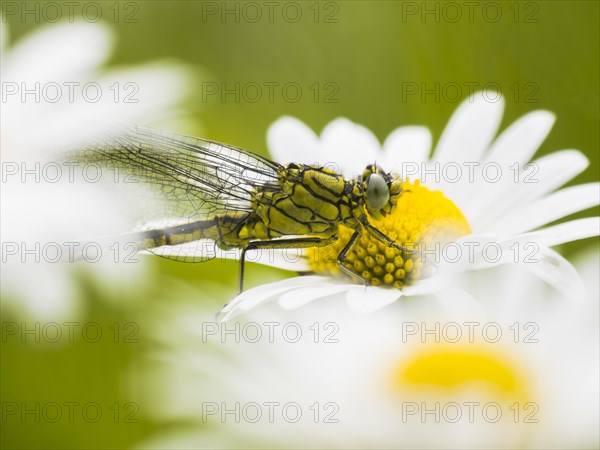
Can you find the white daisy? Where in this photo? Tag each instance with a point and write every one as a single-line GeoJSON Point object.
{"type": "Point", "coordinates": [57, 94]}
{"type": "Point", "coordinates": [475, 203]}
{"type": "Point", "coordinates": [522, 375]}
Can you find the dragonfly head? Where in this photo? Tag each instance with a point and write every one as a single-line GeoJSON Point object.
{"type": "Point", "coordinates": [380, 191]}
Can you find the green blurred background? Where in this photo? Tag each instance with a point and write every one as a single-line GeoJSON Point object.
{"type": "Point", "coordinates": [350, 58]}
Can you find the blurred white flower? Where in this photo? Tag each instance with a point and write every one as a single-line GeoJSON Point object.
{"type": "Point", "coordinates": [476, 203]}
{"type": "Point", "coordinates": [522, 375]}
{"type": "Point", "coordinates": [57, 94]}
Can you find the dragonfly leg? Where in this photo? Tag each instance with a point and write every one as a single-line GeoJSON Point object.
{"type": "Point", "coordinates": [342, 257]}
{"type": "Point", "coordinates": [382, 237]}
{"type": "Point", "coordinates": [280, 243]}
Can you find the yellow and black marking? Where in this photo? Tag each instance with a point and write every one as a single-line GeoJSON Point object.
{"type": "Point", "coordinates": [221, 229]}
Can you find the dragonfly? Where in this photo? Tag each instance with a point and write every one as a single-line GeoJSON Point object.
{"type": "Point", "coordinates": [241, 200]}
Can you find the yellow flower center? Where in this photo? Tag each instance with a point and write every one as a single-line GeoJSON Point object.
{"type": "Point", "coordinates": [450, 368]}
{"type": "Point", "coordinates": [422, 219]}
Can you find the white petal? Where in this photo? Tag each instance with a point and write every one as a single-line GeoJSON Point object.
{"type": "Point", "coordinates": [558, 272]}
{"type": "Point", "coordinates": [477, 252]}
{"type": "Point", "coordinates": [288, 259]}
{"type": "Point", "coordinates": [202, 249]}
{"type": "Point", "coordinates": [427, 286]}
{"type": "Point", "coordinates": [58, 212]}
{"type": "Point", "coordinates": [255, 296]}
{"type": "Point", "coordinates": [541, 177]}
{"type": "Point", "coordinates": [293, 259]}
{"type": "Point", "coordinates": [515, 145]}
{"type": "Point", "coordinates": [565, 232]}
{"type": "Point", "coordinates": [57, 53]}
{"type": "Point", "coordinates": [367, 299]}
{"type": "Point", "coordinates": [461, 255]}
{"type": "Point", "coordinates": [471, 129]}
{"type": "Point", "coordinates": [459, 304]}
{"type": "Point", "coordinates": [556, 206]}
{"type": "Point", "coordinates": [556, 169]}
{"type": "Point", "coordinates": [65, 125]}
{"type": "Point", "coordinates": [406, 148]}
{"type": "Point", "coordinates": [540, 260]}
{"type": "Point", "coordinates": [348, 147]}
{"type": "Point", "coordinates": [290, 140]}
{"type": "Point", "coordinates": [519, 142]}
{"type": "Point", "coordinates": [52, 297]}
{"type": "Point", "coordinates": [301, 296]}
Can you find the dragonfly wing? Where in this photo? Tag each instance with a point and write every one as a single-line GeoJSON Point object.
{"type": "Point", "coordinates": [182, 179]}
{"type": "Point", "coordinates": [191, 178]}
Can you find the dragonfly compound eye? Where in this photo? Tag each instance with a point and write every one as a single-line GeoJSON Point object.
{"type": "Point", "coordinates": [378, 192]}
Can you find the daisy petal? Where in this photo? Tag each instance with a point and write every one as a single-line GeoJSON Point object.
{"type": "Point", "coordinates": [363, 299]}
{"type": "Point", "coordinates": [470, 130]}
{"type": "Point", "coordinates": [556, 169]}
{"type": "Point", "coordinates": [427, 286]}
{"type": "Point", "coordinates": [477, 252]}
{"type": "Point", "coordinates": [541, 177]}
{"type": "Point", "coordinates": [555, 206]}
{"type": "Point", "coordinates": [68, 56]}
{"type": "Point", "coordinates": [293, 259]}
{"type": "Point", "coordinates": [459, 304]}
{"type": "Point", "coordinates": [558, 272]}
{"type": "Point", "coordinates": [287, 259]}
{"type": "Point", "coordinates": [300, 297]}
{"type": "Point", "coordinates": [404, 146]}
{"type": "Point", "coordinates": [519, 142]}
{"type": "Point", "coordinates": [349, 147]}
{"type": "Point", "coordinates": [290, 140]}
{"type": "Point", "coordinates": [255, 296]}
{"type": "Point", "coordinates": [90, 120]}
{"type": "Point", "coordinates": [565, 232]}
{"type": "Point", "coordinates": [204, 249]}
{"type": "Point", "coordinates": [543, 262]}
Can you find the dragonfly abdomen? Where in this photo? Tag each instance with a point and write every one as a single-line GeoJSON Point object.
{"type": "Point", "coordinates": [224, 229]}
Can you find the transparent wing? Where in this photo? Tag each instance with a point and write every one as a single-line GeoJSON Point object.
{"type": "Point", "coordinates": [192, 178]}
